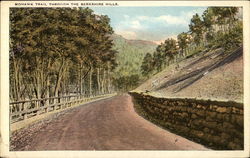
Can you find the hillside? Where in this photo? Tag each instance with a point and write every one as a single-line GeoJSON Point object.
{"type": "Point", "coordinates": [129, 59]}
{"type": "Point", "coordinates": [131, 53]}
{"type": "Point", "coordinates": [213, 75]}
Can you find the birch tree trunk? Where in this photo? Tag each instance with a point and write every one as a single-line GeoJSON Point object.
{"type": "Point", "coordinates": [109, 82]}
{"type": "Point", "coordinates": [90, 81]}
{"type": "Point", "coordinates": [98, 80]}
{"type": "Point", "coordinates": [59, 78]}
{"type": "Point", "coordinates": [16, 80]}
{"type": "Point", "coordinates": [102, 82]}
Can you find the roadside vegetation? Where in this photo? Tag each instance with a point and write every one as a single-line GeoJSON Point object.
{"type": "Point", "coordinates": [218, 27]}
{"type": "Point", "coordinates": [59, 51]}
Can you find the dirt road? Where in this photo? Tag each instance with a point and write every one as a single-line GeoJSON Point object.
{"type": "Point", "coordinates": [109, 124]}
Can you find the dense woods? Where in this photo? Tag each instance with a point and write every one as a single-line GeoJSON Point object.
{"type": "Point", "coordinates": [217, 27]}
{"type": "Point", "coordinates": [59, 51]}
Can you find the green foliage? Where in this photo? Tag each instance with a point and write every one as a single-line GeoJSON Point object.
{"type": "Point", "coordinates": [232, 39]}
{"type": "Point", "coordinates": [147, 63]}
{"type": "Point", "coordinates": [224, 14]}
{"type": "Point", "coordinates": [45, 43]}
{"type": "Point", "coordinates": [126, 83]}
{"type": "Point", "coordinates": [207, 18]}
{"type": "Point", "coordinates": [130, 55]}
{"type": "Point", "coordinates": [129, 60]}
{"type": "Point", "coordinates": [159, 60]}
{"type": "Point", "coordinates": [196, 50]}
{"type": "Point", "coordinates": [183, 41]}
{"type": "Point", "coordinates": [165, 52]}
{"type": "Point", "coordinates": [196, 27]}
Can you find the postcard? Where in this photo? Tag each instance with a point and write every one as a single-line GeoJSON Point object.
{"type": "Point", "coordinates": [125, 79]}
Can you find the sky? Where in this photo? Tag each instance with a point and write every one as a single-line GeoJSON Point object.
{"type": "Point", "coordinates": [149, 23]}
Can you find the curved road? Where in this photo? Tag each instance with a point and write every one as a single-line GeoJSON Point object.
{"type": "Point", "coordinates": [108, 124]}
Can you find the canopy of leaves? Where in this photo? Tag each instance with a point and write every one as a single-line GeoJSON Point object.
{"type": "Point", "coordinates": [47, 42]}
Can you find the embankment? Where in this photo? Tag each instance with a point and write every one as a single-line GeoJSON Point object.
{"type": "Point", "coordinates": [218, 125]}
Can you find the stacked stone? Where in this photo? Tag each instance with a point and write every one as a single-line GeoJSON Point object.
{"type": "Point", "coordinates": [218, 125]}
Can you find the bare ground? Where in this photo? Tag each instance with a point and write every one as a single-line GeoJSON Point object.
{"type": "Point", "coordinates": [109, 124]}
{"type": "Point", "coordinates": [211, 75]}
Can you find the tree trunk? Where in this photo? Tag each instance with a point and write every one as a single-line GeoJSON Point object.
{"type": "Point", "coordinates": [79, 89]}
{"type": "Point", "coordinates": [98, 80]}
{"type": "Point", "coordinates": [90, 81]}
{"type": "Point", "coordinates": [103, 80]}
{"type": "Point", "coordinates": [59, 78]}
{"type": "Point", "coordinates": [16, 80]}
{"type": "Point", "coordinates": [38, 85]}
{"type": "Point", "coordinates": [109, 82]}
{"type": "Point", "coordinates": [47, 90]}
{"type": "Point", "coordinates": [37, 81]}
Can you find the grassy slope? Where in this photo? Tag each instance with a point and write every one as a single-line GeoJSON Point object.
{"type": "Point", "coordinates": [223, 82]}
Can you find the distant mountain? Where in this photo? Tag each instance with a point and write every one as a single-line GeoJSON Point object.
{"type": "Point", "coordinates": [116, 37]}
{"type": "Point", "coordinates": [141, 42]}
{"type": "Point", "coordinates": [131, 54]}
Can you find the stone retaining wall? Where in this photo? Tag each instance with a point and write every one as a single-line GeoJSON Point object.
{"type": "Point", "coordinates": [218, 125]}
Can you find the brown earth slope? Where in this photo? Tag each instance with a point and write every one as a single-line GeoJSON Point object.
{"type": "Point", "coordinates": [214, 75]}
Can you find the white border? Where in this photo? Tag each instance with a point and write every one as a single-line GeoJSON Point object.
{"type": "Point", "coordinates": [4, 101]}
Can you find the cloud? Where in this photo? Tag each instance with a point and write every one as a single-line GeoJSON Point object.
{"type": "Point", "coordinates": [155, 28]}
{"type": "Point", "coordinates": [182, 19]}
{"type": "Point", "coordinates": [149, 28]}
{"type": "Point", "coordinates": [135, 24]}
{"type": "Point", "coordinates": [190, 14]}
{"type": "Point", "coordinates": [129, 24]}
{"type": "Point", "coordinates": [163, 19]}
{"type": "Point", "coordinates": [172, 20]}
{"type": "Point", "coordinates": [143, 22]}
{"type": "Point", "coordinates": [126, 16]}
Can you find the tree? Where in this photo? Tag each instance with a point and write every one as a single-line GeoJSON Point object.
{"type": "Point", "coordinates": [147, 64]}
{"type": "Point", "coordinates": [196, 28]}
{"type": "Point", "coordinates": [171, 49]}
{"type": "Point", "coordinates": [164, 54]}
{"type": "Point", "coordinates": [225, 16]}
{"type": "Point", "coordinates": [45, 43]}
{"type": "Point", "coordinates": [183, 41]}
{"type": "Point", "coordinates": [232, 39]}
{"type": "Point", "coordinates": [208, 21]}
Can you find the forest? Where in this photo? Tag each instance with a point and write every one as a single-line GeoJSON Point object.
{"type": "Point", "coordinates": [67, 51]}
{"type": "Point", "coordinates": [127, 74]}
{"type": "Point", "coordinates": [59, 51]}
